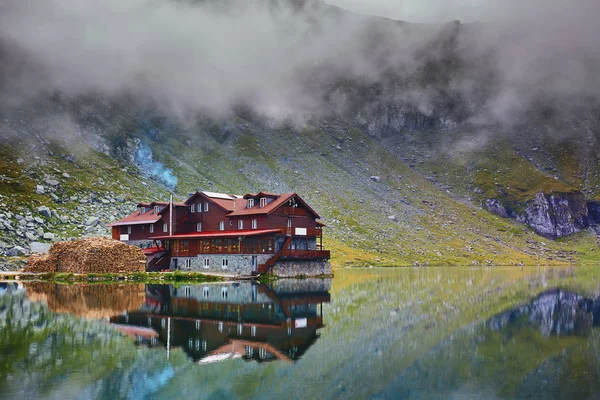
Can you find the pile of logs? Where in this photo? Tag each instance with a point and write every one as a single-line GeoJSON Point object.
{"type": "Point", "coordinates": [94, 255]}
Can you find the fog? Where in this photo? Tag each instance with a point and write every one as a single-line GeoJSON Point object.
{"type": "Point", "coordinates": [282, 58]}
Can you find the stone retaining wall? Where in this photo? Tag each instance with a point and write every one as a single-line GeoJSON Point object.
{"type": "Point", "coordinates": [236, 264]}
{"type": "Point", "coordinates": [288, 269]}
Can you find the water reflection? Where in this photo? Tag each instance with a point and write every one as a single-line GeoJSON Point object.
{"type": "Point", "coordinates": [544, 349]}
{"type": "Point", "coordinates": [211, 322]}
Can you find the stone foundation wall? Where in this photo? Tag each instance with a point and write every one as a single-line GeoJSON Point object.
{"type": "Point", "coordinates": [237, 264]}
{"type": "Point", "coordinates": [289, 269]}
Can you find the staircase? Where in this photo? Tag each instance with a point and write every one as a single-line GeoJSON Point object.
{"type": "Point", "coordinates": [160, 263]}
{"type": "Point", "coordinates": [263, 268]}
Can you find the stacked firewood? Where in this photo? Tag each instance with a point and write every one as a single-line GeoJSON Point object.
{"type": "Point", "coordinates": [94, 255]}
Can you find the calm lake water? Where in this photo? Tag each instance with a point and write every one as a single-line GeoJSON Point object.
{"type": "Point", "coordinates": [454, 333]}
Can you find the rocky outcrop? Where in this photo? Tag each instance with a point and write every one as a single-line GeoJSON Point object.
{"type": "Point", "coordinates": [550, 215]}
{"type": "Point", "coordinates": [556, 215]}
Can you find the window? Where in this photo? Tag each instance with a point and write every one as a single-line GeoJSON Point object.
{"type": "Point", "coordinates": [193, 208]}
{"type": "Point", "coordinates": [250, 203]}
{"type": "Point", "coordinates": [263, 202]}
{"type": "Point", "coordinates": [165, 227]}
{"type": "Point", "coordinates": [206, 265]}
{"type": "Point", "coordinates": [129, 230]}
{"type": "Point", "coordinates": [199, 227]}
{"type": "Point", "coordinates": [205, 291]}
{"type": "Point", "coordinates": [188, 264]}
{"type": "Point", "coordinates": [240, 224]}
{"type": "Point", "coordinates": [225, 263]}
{"type": "Point", "coordinates": [156, 209]}
{"type": "Point", "coordinates": [205, 207]}
{"type": "Point", "coordinates": [142, 210]}
{"type": "Point", "coordinates": [199, 207]}
{"type": "Point", "coordinates": [224, 292]}
{"type": "Point", "coordinates": [254, 224]}
{"type": "Point", "coordinates": [151, 228]}
{"type": "Point", "coordinates": [221, 226]}
{"type": "Point", "coordinates": [289, 223]}
{"type": "Point", "coordinates": [187, 291]}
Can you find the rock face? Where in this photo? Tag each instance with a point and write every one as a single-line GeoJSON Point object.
{"type": "Point", "coordinates": [494, 206]}
{"type": "Point", "coordinates": [556, 215]}
{"type": "Point", "coordinates": [550, 215]}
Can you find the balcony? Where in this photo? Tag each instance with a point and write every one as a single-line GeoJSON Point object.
{"type": "Point", "coordinates": [293, 211]}
{"type": "Point", "coordinates": [312, 232]}
{"type": "Point", "coordinates": [305, 254]}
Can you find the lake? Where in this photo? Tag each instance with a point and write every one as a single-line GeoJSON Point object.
{"type": "Point", "coordinates": [410, 333]}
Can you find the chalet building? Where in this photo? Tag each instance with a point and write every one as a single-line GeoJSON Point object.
{"type": "Point", "coordinates": [216, 322]}
{"type": "Point", "coordinates": [239, 235]}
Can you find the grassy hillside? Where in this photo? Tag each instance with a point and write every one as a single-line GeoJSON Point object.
{"type": "Point", "coordinates": [379, 211]}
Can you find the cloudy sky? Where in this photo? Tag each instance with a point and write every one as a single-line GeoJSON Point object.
{"type": "Point", "coordinates": [188, 56]}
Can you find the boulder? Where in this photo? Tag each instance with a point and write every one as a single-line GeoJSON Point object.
{"type": "Point", "coordinates": [494, 206]}
{"type": "Point", "coordinates": [51, 182]}
{"type": "Point", "coordinates": [375, 178]}
{"type": "Point", "coordinates": [16, 251]}
{"type": "Point", "coordinates": [39, 189]}
{"type": "Point", "coordinates": [92, 221]}
{"type": "Point", "coordinates": [38, 247]}
{"type": "Point", "coordinates": [48, 236]}
{"type": "Point", "coordinates": [45, 211]}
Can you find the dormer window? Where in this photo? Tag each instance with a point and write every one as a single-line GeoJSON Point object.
{"type": "Point", "coordinates": [250, 203]}
{"type": "Point", "coordinates": [263, 202]}
{"type": "Point", "coordinates": [205, 207]}
{"type": "Point", "coordinates": [156, 209]}
{"type": "Point", "coordinates": [193, 208]}
{"type": "Point", "coordinates": [199, 207]}
{"type": "Point", "coordinates": [142, 210]}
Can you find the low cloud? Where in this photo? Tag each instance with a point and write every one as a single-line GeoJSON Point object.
{"type": "Point", "coordinates": [284, 58]}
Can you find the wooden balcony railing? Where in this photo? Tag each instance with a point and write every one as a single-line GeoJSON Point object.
{"type": "Point", "coordinates": [313, 232]}
{"type": "Point", "coordinates": [306, 254]}
{"type": "Point", "coordinates": [293, 211]}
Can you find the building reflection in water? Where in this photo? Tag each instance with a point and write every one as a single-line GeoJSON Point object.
{"type": "Point", "coordinates": [215, 322]}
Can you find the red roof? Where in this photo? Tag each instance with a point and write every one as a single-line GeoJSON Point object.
{"type": "Point", "coordinates": [225, 204]}
{"type": "Point", "coordinates": [242, 210]}
{"type": "Point", "coordinates": [219, 234]}
{"type": "Point", "coordinates": [138, 219]}
{"type": "Point", "coordinates": [175, 204]}
{"type": "Point", "coordinates": [152, 250]}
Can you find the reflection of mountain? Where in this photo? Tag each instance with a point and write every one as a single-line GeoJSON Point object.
{"type": "Point", "coordinates": [554, 312]}
{"type": "Point", "coordinates": [546, 349]}
{"type": "Point", "coordinates": [221, 321]}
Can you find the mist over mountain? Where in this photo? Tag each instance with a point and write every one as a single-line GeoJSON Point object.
{"type": "Point", "coordinates": [288, 58]}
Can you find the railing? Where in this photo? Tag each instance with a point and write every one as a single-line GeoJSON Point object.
{"type": "Point", "coordinates": [293, 211]}
{"type": "Point", "coordinates": [313, 232]}
{"type": "Point", "coordinates": [262, 268]}
{"type": "Point", "coordinates": [306, 254]}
